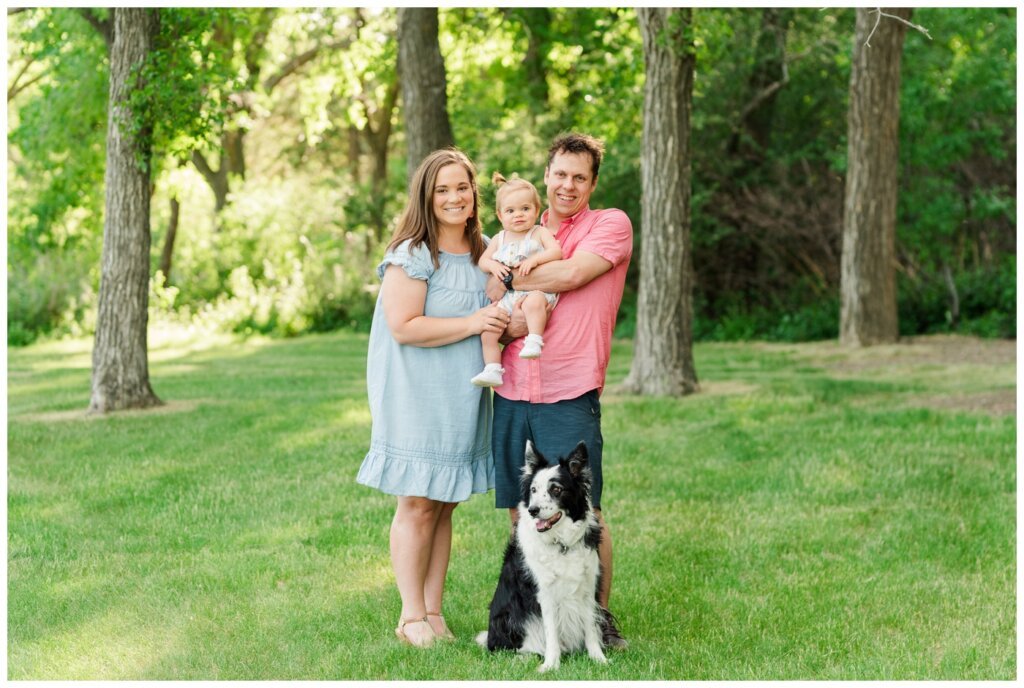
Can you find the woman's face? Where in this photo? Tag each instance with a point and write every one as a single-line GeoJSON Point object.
{"type": "Point", "coordinates": [453, 197]}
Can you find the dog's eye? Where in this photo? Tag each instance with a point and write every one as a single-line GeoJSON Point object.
{"type": "Point", "coordinates": [556, 490]}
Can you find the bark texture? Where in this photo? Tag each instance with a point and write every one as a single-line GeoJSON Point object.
{"type": "Point", "coordinates": [663, 347]}
{"type": "Point", "coordinates": [424, 95]}
{"type": "Point", "coordinates": [120, 370]}
{"type": "Point", "coordinates": [868, 265]}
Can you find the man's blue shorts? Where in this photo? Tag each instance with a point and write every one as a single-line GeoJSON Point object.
{"type": "Point", "coordinates": [555, 430]}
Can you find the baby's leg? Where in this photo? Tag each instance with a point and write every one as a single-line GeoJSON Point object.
{"type": "Point", "coordinates": [489, 342]}
{"type": "Point", "coordinates": [535, 308]}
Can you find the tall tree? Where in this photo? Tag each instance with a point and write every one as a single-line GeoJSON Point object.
{"type": "Point", "coordinates": [663, 349]}
{"type": "Point", "coordinates": [120, 369]}
{"type": "Point", "coordinates": [868, 265]}
{"type": "Point", "coordinates": [424, 85]}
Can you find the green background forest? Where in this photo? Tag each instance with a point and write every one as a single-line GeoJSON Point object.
{"type": "Point", "coordinates": [280, 163]}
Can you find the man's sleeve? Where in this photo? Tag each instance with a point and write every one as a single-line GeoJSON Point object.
{"type": "Point", "coordinates": [611, 237]}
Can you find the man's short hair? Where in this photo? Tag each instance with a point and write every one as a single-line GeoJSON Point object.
{"type": "Point", "coordinates": [578, 143]}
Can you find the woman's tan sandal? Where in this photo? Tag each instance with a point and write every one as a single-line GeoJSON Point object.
{"type": "Point", "coordinates": [446, 634]}
{"type": "Point", "coordinates": [427, 642]}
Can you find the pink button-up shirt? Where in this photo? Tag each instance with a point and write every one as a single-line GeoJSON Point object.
{"type": "Point", "coordinates": [578, 336]}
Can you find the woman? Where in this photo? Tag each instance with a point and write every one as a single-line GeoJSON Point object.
{"type": "Point", "coordinates": [430, 444]}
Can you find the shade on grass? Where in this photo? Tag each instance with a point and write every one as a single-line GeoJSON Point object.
{"type": "Point", "coordinates": [786, 523]}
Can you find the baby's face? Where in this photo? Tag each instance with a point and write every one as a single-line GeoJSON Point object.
{"type": "Point", "coordinates": [518, 212]}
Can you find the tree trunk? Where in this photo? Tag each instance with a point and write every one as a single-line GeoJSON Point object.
{"type": "Point", "coordinates": [868, 266]}
{"type": "Point", "coordinates": [172, 232]}
{"type": "Point", "coordinates": [217, 179]}
{"type": "Point", "coordinates": [663, 346]}
{"type": "Point", "coordinates": [421, 73]}
{"type": "Point", "coordinates": [769, 75]}
{"type": "Point", "coordinates": [536, 23]}
{"type": "Point", "coordinates": [354, 154]}
{"type": "Point", "coordinates": [233, 143]}
{"type": "Point", "coordinates": [378, 135]}
{"type": "Point", "coordinates": [120, 370]}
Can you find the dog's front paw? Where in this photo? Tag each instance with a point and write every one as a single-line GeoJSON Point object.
{"type": "Point", "coordinates": [598, 657]}
{"type": "Point", "coordinates": [547, 666]}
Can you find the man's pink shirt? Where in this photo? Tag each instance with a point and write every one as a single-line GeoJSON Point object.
{"type": "Point", "coordinates": [578, 336]}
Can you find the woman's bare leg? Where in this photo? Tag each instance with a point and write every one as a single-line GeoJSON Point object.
{"type": "Point", "coordinates": [412, 539]}
{"type": "Point", "coordinates": [437, 570]}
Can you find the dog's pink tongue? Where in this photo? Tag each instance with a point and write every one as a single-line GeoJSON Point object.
{"type": "Point", "coordinates": [543, 525]}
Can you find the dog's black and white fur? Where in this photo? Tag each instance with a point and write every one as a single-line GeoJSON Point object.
{"type": "Point", "coordinates": [546, 600]}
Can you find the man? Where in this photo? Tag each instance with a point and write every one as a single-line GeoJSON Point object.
{"type": "Point", "coordinates": [553, 400]}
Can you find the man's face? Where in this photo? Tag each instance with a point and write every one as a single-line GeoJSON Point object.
{"type": "Point", "coordinates": [570, 182]}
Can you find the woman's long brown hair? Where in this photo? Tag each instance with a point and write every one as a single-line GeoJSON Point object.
{"type": "Point", "coordinates": [417, 221]}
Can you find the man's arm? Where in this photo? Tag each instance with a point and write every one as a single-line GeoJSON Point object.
{"type": "Point", "coordinates": [558, 277]}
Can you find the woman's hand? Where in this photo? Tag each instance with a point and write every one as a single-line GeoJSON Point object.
{"type": "Point", "coordinates": [490, 318]}
{"type": "Point", "coordinates": [495, 289]}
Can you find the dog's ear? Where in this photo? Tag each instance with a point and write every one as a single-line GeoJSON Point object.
{"type": "Point", "coordinates": [534, 459]}
{"type": "Point", "coordinates": [577, 459]}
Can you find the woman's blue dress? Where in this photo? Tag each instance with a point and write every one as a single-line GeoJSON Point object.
{"type": "Point", "coordinates": [431, 433]}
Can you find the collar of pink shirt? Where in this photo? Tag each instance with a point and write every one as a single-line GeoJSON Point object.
{"type": "Point", "coordinates": [567, 222]}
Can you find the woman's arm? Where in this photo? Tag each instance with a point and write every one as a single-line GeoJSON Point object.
{"type": "Point", "coordinates": [403, 299]}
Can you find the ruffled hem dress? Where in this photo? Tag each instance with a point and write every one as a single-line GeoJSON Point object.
{"type": "Point", "coordinates": [431, 427]}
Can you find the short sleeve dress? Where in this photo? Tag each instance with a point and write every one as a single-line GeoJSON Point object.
{"type": "Point", "coordinates": [431, 432]}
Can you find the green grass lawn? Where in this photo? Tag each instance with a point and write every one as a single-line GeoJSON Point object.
{"type": "Point", "coordinates": [794, 520]}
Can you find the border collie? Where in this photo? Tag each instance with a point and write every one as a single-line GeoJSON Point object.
{"type": "Point", "coordinates": [546, 600]}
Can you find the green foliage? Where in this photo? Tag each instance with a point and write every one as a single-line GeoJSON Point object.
{"type": "Point", "coordinates": [279, 262]}
{"type": "Point", "coordinates": [325, 157]}
{"type": "Point", "coordinates": [592, 60]}
{"type": "Point", "coordinates": [178, 119]}
{"type": "Point", "coordinates": [794, 319]}
{"type": "Point", "coordinates": [789, 522]}
{"type": "Point", "coordinates": [59, 132]}
{"type": "Point", "coordinates": [957, 173]}
{"type": "Point", "coordinates": [46, 294]}
{"type": "Point", "coordinates": [987, 302]}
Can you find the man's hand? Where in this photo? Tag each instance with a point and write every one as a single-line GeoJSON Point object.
{"type": "Point", "coordinates": [517, 327]}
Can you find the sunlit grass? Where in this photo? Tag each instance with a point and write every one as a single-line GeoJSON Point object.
{"type": "Point", "coordinates": [790, 521]}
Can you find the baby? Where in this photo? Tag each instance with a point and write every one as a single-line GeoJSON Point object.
{"type": "Point", "coordinates": [521, 246]}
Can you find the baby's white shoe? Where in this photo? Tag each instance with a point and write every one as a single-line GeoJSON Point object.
{"type": "Point", "coordinates": [490, 376]}
{"type": "Point", "coordinates": [531, 348]}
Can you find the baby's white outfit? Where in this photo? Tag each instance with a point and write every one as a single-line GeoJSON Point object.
{"type": "Point", "coordinates": [512, 253]}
